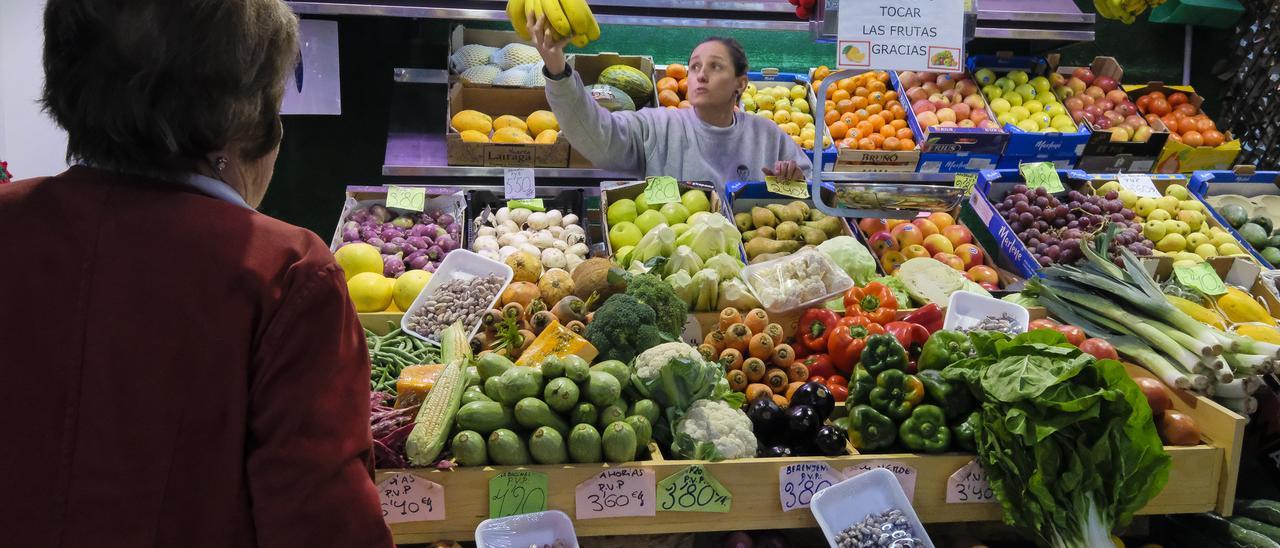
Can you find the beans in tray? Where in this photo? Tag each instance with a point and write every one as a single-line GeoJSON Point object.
{"type": "Point", "coordinates": [455, 300]}
{"type": "Point", "coordinates": [889, 529]}
{"type": "Point", "coordinates": [559, 543]}
{"type": "Point", "coordinates": [1003, 323]}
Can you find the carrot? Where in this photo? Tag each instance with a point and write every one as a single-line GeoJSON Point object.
{"type": "Point", "coordinates": [777, 380]}
{"type": "Point", "coordinates": [761, 346]}
{"type": "Point", "coordinates": [774, 330]}
{"type": "Point", "coordinates": [716, 340]}
{"type": "Point", "coordinates": [737, 336]}
{"type": "Point", "coordinates": [783, 355]}
{"type": "Point", "coordinates": [797, 372]}
{"type": "Point", "coordinates": [729, 316]}
{"type": "Point", "coordinates": [757, 390]}
{"type": "Point", "coordinates": [781, 401]}
{"type": "Point", "coordinates": [737, 380]}
{"type": "Point", "coordinates": [791, 389]}
{"type": "Point", "coordinates": [731, 359]}
{"type": "Point", "coordinates": [755, 368]}
{"type": "Point", "coordinates": [756, 320]}
{"type": "Point", "coordinates": [708, 352]}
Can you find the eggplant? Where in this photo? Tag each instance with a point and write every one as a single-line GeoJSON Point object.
{"type": "Point", "coordinates": [830, 441]}
{"type": "Point", "coordinates": [802, 423]}
{"type": "Point", "coordinates": [767, 419]}
{"type": "Point", "coordinates": [776, 451]}
{"type": "Point", "coordinates": [817, 396]}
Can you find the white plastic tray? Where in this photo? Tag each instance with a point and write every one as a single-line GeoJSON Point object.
{"type": "Point", "coordinates": [966, 310]}
{"type": "Point", "coordinates": [523, 531]}
{"type": "Point", "coordinates": [842, 282]}
{"type": "Point", "coordinates": [849, 502]}
{"type": "Point", "coordinates": [458, 264]}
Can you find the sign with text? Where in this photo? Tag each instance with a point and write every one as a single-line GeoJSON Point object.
{"type": "Point", "coordinates": [661, 190]}
{"type": "Point", "coordinates": [408, 498]}
{"type": "Point", "coordinates": [794, 189]}
{"type": "Point", "coordinates": [797, 483]}
{"type": "Point", "coordinates": [1201, 277]}
{"type": "Point", "coordinates": [517, 183]}
{"type": "Point", "coordinates": [966, 181]}
{"type": "Point", "coordinates": [1141, 185]}
{"type": "Point", "coordinates": [618, 492]}
{"type": "Point", "coordinates": [969, 485]}
{"type": "Point", "coordinates": [408, 198]}
{"type": "Point", "coordinates": [1041, 174]}
{"type": "Point", "coordinates": [906, 475]}
{"type": "Point", "coordinates": [517, 492]}
{"type": "Point", "coordinates": [693, 489]}
{"type": "Point", "coordinates": [926, 35]}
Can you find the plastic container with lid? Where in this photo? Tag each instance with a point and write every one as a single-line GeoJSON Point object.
{"type": "Point", "coordinates": [457, 265]}
{"type": "Point", "coordinates": [800, 280]}
{"type": "Point", "coordinates": [536, 529]}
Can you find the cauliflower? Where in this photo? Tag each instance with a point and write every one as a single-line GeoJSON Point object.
{"type": "Point", "coordinates": [714, 430]}
{"type": "Point", "coordinates": [649, 362]}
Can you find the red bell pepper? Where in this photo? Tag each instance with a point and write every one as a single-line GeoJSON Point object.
{"type": "Point", "coordinates": [848, 340]}
{"type": "Point", "coordinates": [911, 336]}
{"type": "Point", "coordinates": [928, 316]}
{"type": "Point", "coordinates": [874, 301]}
{"type": "Point", "coordinates": [815, 328]}
{"type": "Point", "coordinates": [819, 365]}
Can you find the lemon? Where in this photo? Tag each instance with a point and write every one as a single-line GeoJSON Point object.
{"type": "Point", "coordinates": [358, 258]}
{"type": "Point", "coordinates": [407, 287]}
{"type": "Point", "coordinates": [370, 292]}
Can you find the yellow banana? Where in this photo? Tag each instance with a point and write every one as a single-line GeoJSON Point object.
{"type": "Point", "coordinates": [581, 19]}
{"type": "Point", "coordinates": [556, 18]}
{"type": "Point", "coordinates": [1103, 7]}
{"type": "Point", "coordinates": [516, 13]}
{"type": "Point", "coordinates": [579, 41]}
{"type": "Point", "coordinates": [534, 9]}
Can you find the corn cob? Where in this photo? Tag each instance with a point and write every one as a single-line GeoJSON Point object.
{"type": "Point", "coordinates": [435, 417]}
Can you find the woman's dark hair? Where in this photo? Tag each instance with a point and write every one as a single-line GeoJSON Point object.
{"type": "Point", "coordinates": [157, 85]}
{"type": "Point", "coordinates": [736, 53]}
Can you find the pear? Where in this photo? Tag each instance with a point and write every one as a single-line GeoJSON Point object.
{"type": "Point", "coordinates": [743, 221]}
{"type": "Point", "coordinates": [788, 212]}
{"type": "Point", "coordinates": [788, 230]}
{"type": "Point", "coordinates": [760, 246]}
{"type": "Point", "coordinates": [833, 226]}
{"type": "Point", "coordinates": [763, 217]}
{"type": "Point", "coordinates": [813, 236]}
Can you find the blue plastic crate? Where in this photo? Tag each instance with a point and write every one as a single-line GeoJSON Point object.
{"type": "Point", "coordinates": [991, 186]}
{"type": "Point", "coordinates": [1022, 143]}
{"type": "Point", "coordinates": [1211, 183]}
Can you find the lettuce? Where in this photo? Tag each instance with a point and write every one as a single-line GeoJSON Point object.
{"type": "Point", "coordinates": [853, 258]}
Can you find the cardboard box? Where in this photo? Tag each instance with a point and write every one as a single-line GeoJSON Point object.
{"type": "Point", "coordinates": [1060, 161]}
{"type": "Point", "coordinates": [1022, 144]}
{"type": "Point", "coordinates": [495, 102]}
{"type": "Point", "coordinates": [461, 36]}
{"type": "Point", "coordinates": [590, 65]}
{"type": "Point", "coordinates": [1102, 154]}
{"type": "Point", "coordinates": [1006, 277]}
{"type": "Point", "coordinates": [1177, 157]}
{"type": "Point", "coordinates": [865, 161]}
{"type": "Point", "coordinates": [953, 140]}
{"type": "Point", "coordinates": [1242, 181]}
{"type": "Point", "coordinates": [566, 200]}
{"type": "Point", "coordinates": [617, 190]}
{"type": "Point", "coordinates": [772, 78]}
{"type": "Point", "coordinates": [447, 199]}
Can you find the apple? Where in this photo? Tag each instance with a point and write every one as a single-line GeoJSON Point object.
{"type": "Point", "coordinates": [1057, 79]}
{"type": "Point", "coordinates": [970, 254]}
{"type": "Point", "coordinates": [958, 234]}
{"type": "Point", "coordinates": [908, 78]}
{"type": "Point", "coordinates": [917, 94]}
{"type": "Point", "coordinates": [624, 234]}
{"type": "Point", "coordinates": [931, 88]}
{"type": "Point", "coordinates": [985, 76]}
{"type": "Point", "coordinates": [983, 274]}
{"type": "Point", "coordinates": [1117, 95]}
{"type": "Point", "coordinates": [975, 102]}
{"type": "Point", "coordinates": [621, 211]}
{"type": "Point", "coordinates": [1119, 134]}
{"type": "Point", "coordinates": [960, 110]}
{"type": "Point", "coordinates": [947, 115]}
{"type": "Point", "coordinates": [1095, 92]}
{"type": "Point", "coordinates": [695, 200]}
{"type": "Point", "coordinates": [927, 228]}
{"type": "Point", "coordinates": [675, 212]}
{"type": "Point", "coordinates": [872, 226]}
{"type": "Point", "coordinates": [1077, 85]}
{"type": "Point", "coordinates": [891, 260]}
{"type": "Point", "coordinates": [937, 243]}
{"type": "Point", "coordinates": [650, 219]}
{"type": "Point", "coordinates": [1107, 83]}
{"type": "Point", "coordinates": [950, 260]}
{"type": "Point", "coordinates": [1142, 134]}
{"type": "Point", "coordinates": [1084, 74]}
{"type": "Point", "coordinates": [992, 92]}
{"type": "Point", "coordinates": [927, 119]}
{"type": "Point", "coordinates": [941, 219]}
{"type": "Point", "coordinates": [922, 106]}
{"type": "Point", "coordinates": [966, 123]}
{"type": "Point", "coordinates": [914, 250]}
{"type": "Point", "coordinates": [989, 286]}
{"type": "Point", "coordinates": [893, 223]}
{"type": "Point", "coordinates": [979, 115]}
{"type": "Point", "coordinates": [988, 124]}
{"type": "Point", "coordinates": [882, 242]}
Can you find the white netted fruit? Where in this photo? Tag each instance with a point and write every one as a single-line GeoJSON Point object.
{"type": "Point", "coordinates": [535, 80]}
{"type": "Point", "coordinates": [512, 55]}
{"type": "Point", "coordinates": [511, 77]}
{"type": "Point", "coordinates": [481, 74]}
{"type": "Point", "coordinates": [470, 56]}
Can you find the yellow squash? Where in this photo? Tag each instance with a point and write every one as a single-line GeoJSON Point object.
{"type": "Point", "coordinates": [1240, 307]}
{"type": "Point", "coordinates": [1199, 313]}
{"type": "Point", "coordinates": [1262, 333]}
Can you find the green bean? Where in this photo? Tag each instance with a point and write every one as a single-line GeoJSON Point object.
{"type": "Point", "coordinates": [397, 332]}
{"type": "Point", "coordinates": [399, 353]}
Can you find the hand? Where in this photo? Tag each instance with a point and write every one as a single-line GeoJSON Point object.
{"type": "Point", "coordinates": [785, 170]}
{"type": "Point", "coordinates": [550, 45]}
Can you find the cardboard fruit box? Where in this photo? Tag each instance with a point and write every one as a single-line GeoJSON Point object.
{"type": "Point", "coordinates": [1178, 157]}
{"type": "Point", "coordinates": [590, 65]}
{"type": "Point", "coordinates": [519, 102]}
{"type": "Point", "coordinates": [612, 191]}
{"type": "Point", "coordinates": [461, 36]}
{"type": "Point", "coordinates": [1063, 149]}
{"type": "Point", "coordinates": [953, 149]}
{"type": "Point", "coordinates": [1101, 154]}
{"type": "Point", "coordinates": [1242, 183]}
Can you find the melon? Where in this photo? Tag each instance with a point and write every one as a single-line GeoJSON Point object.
{"type": "Point", "coordinates": [611, 98]}
{"type": "Point", "coordinates": [633, 82]}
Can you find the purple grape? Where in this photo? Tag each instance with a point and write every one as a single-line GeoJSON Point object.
{"type": "Point", "coordinates": [1019, 189]}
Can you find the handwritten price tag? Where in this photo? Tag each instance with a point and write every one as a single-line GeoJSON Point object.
{"type": "Point", "coordinates": [794, 189]}
{"type": "Point", "coordinates": [618, 492]}
{"type": "Point", "coordinates": [517, 492]}
{"type": "Point", "coordinates": [693, 490]}
{"type": "Point", "coordinates": [966, 181]}
{"type": "Point", "coordinates": [1201, 277]}
{"type": "Point", "coordinates": [969, 485]}
{"type": "Point", "coordinates": [906, 475]}
{"type": "Point", "coordinates": [406, 498]}
{"type": "Point", "coordinates": [1139, 184]}
{"type": "Point", "coordinates": [661, 190]}
{"type": "Point", "coordinates": [410, 198]}
{"type": "Point", "coordinates": [797, 483]}
{"type": "Point", "coordinates": [517, 183]}
{"type": "Point", "coordinates": [1041, 174]}
{"type": "Point", "coordinates": [534, 204]}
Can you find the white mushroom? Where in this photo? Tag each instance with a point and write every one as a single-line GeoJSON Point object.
{"type": "Point", "coordinates": [507, 252]}
{"type": "Point", "coordinates": [556, 231]}
{"type": "Point", "coordinates": [530, 249]}
{"type": "Point", "coordinates": [569, 220]}
{"type": "Point", "coordinates": [514, 238]}
{"type": "Point", "coordinates": [485, 243]}
{"type": "Point", "coordinates": [536, 221]}
{"type": "Point", "coordinates": [560, 244]}
{"type": "Point", "coordinates": [580, 249]}
{"type": "Point", "coordinates": [502, 216]}
{"type": "Point", "coordinates": [553, 258]}
{"type": "Point", "coordinates": [520, 215]}
{"type": "Point", "coordinates": [488, 231]}
{"type": "Point", "coordinates": [543, 239]}
{"type": "Point", "coordinates": [572, 261]}
{"type": "Point", "coordinates": [554, 217]}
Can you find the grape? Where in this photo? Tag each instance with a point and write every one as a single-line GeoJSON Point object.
{"type": "Point", "coordinates": [1042, 192]}
{"type": "Point", "coordinates": [1019, 189]}
{"type": "Point", "coordinates": [1111, 195]}
{"type": "Point", "coordinates": [1127, 214]}
{"type": "Point", "coordinates": [1053, 252]}
{"type": "Point", "coordinates": [1027, 218]}
{"type": "Point", "coordinates": [1015, 226]}
{"type": "Point", "coordinates": [1042, 201]}
{"type": "Point", "coordinates": [1116, 218]}
{"type": "Point", "coordinates": [1045, 261]}
{"type": "Point", "coordinates": [1032, 242]}
{"type": "Point", "coordinates": [1021, 207]}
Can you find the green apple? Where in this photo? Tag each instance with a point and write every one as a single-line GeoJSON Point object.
{"type": "Point", "coordinates": [1000, 106]}
{"type": "Point", "coordinates": [1019, 77]}
{"type": "Point", "coordinates": [625, 234]}
{"type": "Point", "coordinates": [992, 92]}
{"type": "Point", "coordinates": [649, 219]}
{"type": "Point", "coordinates": [1006, 85]}
{"type": "Point", "coordinates": [1041, 84]}
{"type": "Point", "coordinates": [675, 213]}
{"type": "Point", "coordinates": [695, 200]}
{"type": "Point", "coordinates": [1029, 126]}
{"type": "Point", "coordinates": [1006, 118]}
{"type": "Point", "coordinates": [1041, 119]}
{"type": "Point", "coordinates": [1033, 106]}
{"type": "Point", "coordinates": [1026, 91]}
{"type": "Point", "coordinates": [1056, 109]}
{"type": "Point", "coordinates": [622, 211]}
{"type": "Point", "coordinates": [985, 76]}
{"type": "Point", "coordinates": [1013, 98]}
{"type": "Point", "coordinates": [1020, 113]}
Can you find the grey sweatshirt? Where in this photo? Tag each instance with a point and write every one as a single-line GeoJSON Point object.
{"type": "Point", "coordinates": [662, 141]}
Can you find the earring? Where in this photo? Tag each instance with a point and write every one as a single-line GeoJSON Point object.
{"type": "Point", "coordinates": [219, 164]}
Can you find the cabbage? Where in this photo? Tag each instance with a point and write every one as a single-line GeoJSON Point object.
{"type": "Point", "coordinates": [852, 257]}
{"type": "Point", "coordinates": [898, 288]}
{"type": "Point", "coordinates": [659, 242]}
{"type": "Point", "coordinates": [682, 283]}
{"type": "Point", "coordinates": [726, 266]}
{"type": "Point", "coordinates": [707, 283]}
{"type": "Point", "coordinates": [734, 294]}
{"type": "Point", "coordinates": [712, 235]}
{"type": "Point", "coordinates": [684, 260]}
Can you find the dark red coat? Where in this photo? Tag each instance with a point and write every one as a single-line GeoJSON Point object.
{"type": "Point", "coordinates": [175, 371]}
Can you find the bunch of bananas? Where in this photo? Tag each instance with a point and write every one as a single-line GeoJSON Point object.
{"type": "Point", "coordinates": [1124, 10]}
{"type": "Point", "coordinates": [566, 17]}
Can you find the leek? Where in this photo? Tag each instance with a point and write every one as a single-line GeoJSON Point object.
{"type": "Point", "coordinates": [1240, 388]}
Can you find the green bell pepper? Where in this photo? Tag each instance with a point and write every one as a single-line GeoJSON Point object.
{"type": "Point", "coordinates": [860, 386]}
{"type": "Point", "coordinates": [965, 432]}
{"type": "Point", "coordinates": [869, 430]}
{"type": "Point", "coordinates": [896, 394]}
{"type": "Point", "coordinates": [955, 399]}
{"type": "Point", "coordinates": [926, 430]}
{"type": "Point", "coordinates": [883, 353]}
{"type": "Point", "coordinates": [944, 348]}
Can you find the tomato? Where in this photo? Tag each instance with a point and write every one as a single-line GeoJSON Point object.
{"type": "Point", "coordinates": [818, 379]}
{"type": "Point", "coordinates": [1043, 323]}
{"type": "Point", "coordinates": [1099, 348]}
{"type": "Point", "coordinates": [1074, 334]}
{"type": "Point", "coordinates": [839, 392]}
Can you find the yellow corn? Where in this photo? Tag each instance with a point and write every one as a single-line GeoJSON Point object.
{"type": "Point", "coordinates": [435, 416]}
{"type": "Point", "coordinates": [1259, 332]}
{"type": "Point", "coordinates": [1239, 307]}
{"type": "Point", "coordinates": [1197, 312]}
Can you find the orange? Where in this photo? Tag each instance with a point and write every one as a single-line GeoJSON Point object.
{"type": "Point", "coordinates": [831, 117]}
{"type": "Point", "coordinates": [876, 97]}
{"type": "Point", "coordinates": [668, 83]}
{"type": "Point", "coordinates": [866, 144]}
{"type": "Point", "coordinates": [859, 102]}
{"type": "Point", "coordinates": [1188, 124]}
{"type": "Point", "coordinates": [865, 128]}
{"type": "Point", "coordinates": [839, 130]}
{"type": "Point", "coordinates": [821, 72]}
{"type": "Point", "coordinates": [877, 139]}
{"type": "Point", "coordinates": [898, 123]}
{"type": "Point", "coordinates": [849, 118]}
{"type": "Point", "coordinates": [891, 143]}
{"type": "Point", "coordinates": [904, 134]}
{"type": "Point", "coordinates": [847, 143]}
{"type": "Point", "coordinates": [898, 112]}
{"type": "Point", "coordinates": [874, 108]}
{"type": "Point", "coordinates": [830, 105]}
{"type": "Point", "coordinates": [876, 86]}
{"type": "Point", "coordinates": [862, 114]}
{"type": "Point", "coordinates": [906, 144]}
{"type": "Point", "coordinates": [677, 71]}
{"type": "Point", "coordinates": [1204, 125]}
{"type": "Point", "coordinates": [891, 95]}
{"type": "Point", "coordinates": [831, 91]}
{"type": "Point", "coordinates": [877, 121]}
{"type": "Point", "coordinates": [839, 95]}
{"type": "Point", "coordinates": [848, 85]}
{"type": "Point", "coordinates": [887, 131]}
{"type": "Point", "coordinates": [862, 91]}
{"type": "Point", "coordinates": [668, 98]}
{"type": "Point", "coordinates": [684, 87]}
{"type": "Point", "coordinates": [844, 106]}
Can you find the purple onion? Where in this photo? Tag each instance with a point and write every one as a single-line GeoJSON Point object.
{"type": "Point", "coordinates": [431, 267]}
{"type": "Point", "coordinates": [445, 219]}
{"type": "Point", "coordinates": [380, 212]}
{"type": "Point", "coordinates": [419, 262]}
{"type": "Point", "coordinates": [376, 242]}
{"type": "Point", "coordinates": [392, 248]}
{"type": "Point", "coordinates": [421, 229]}
{"type": "Point", "coordinates": [454, 229]}
{"type": "Point", "coordinates": [367, 234]}
{"type": "Point", "coordinates": [434, 230]}
{"type": "Point", "coordinates": [418, 242]}
{"type": "Point", "coordinates": [435, 252]}
{"type": "Point", "coordinates": [360, 216]}
{"type": "Point", "coordinates": [447, 242]}
{"type": "Point", "coordinates": [350, 235]}
{"type": "Point", "coordinates": [392, 266]}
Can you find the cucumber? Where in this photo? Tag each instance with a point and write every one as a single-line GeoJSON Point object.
{"type": "Point", "coordinates": [619, 442]}
{"type": "Point", "coordinates": [584, 444]}
{"type": "Point", "coordinates": [1215, 524]}
{"type": "Point", "coordinates": [506, 448]}
{"type": "Point", "coordinates": [561, 394]}
{"type": "Point", "coordinates": [472, 376]}
{"type": "Point", "coordinates": [1266, 511]}
{"type": "Point", "coordinates": [485, 417]}
{"type": "Point", "coordinates": [469, 448]}
{"type": "Point", "coordinates": [519, 383]}
{"type": "Point", "coordinates": [547, 446]}
{"type": "Point", "coordinates": [576, 368]}
{"type": "Point", "coordinates": [644, 430]}
{"type": "Point", "coordinates": [1270, 531]}
{"type": "Point", "coordinates": [492, 365]}
{"type": "Point", "coordinates": [603, 389]}
{"type": "Point", "coordinates": [533, 413]}
{"type": "Point", "coordinates": [616, 368]}
{"type": "Point", "coordinates": [647, 409]}
{"type": "Point", "coordinates": [491, 389]}
{"type": "Point", "coordinates": [474, 393]}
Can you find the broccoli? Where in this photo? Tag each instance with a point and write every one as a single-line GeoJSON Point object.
{"type": "Point", "coordinates": [669, 308]}
{"type": "Point", "coordinates": [622, 328]}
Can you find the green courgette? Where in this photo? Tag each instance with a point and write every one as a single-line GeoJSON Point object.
{"type": "Point", "coordinates": [1215, 524]}
{"type": "Point", "coordinates": [1266, 511]}
{"type": "Point", "coordinates": [1266, 529]}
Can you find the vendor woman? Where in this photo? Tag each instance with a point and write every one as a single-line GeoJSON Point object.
{"type": "Point", "coordinates": [709, 142]}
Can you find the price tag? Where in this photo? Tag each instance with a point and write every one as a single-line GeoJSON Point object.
{"type": "Point", "coordinates": [617, 492]}
{"type": "Point", "coordinates": [661, 190]}
{"type": "Point", "coordinates": [531, 205]}
{"type": "Point", "coordinates": [1041, 174]}
{"type": "Point", "coordinates": [1139, 184]}
{"type": "Point", "coordinates": [692, 333]}
{"type": "Point", "coordinates": [407, 497]}
{"type": "Point", "coordinates": [693, 490]}
{"type": "Point", "coordinates": [517, 183]}
{"type": "Point", "coordinates": [966, 181]}
{"type": "Point", "coordinates": [407, 197]}
{"type": "Point", "coordinates": [794, 189]}
{"type": "Point", "coordinates": [906, 475]}
{"type": "Point", "coordinates": [969, 485]}
{"type": "Point", "coordinates": [797, 483]}
{"type": "Point", "coordinates": [517, 492]}
{"type": "Point", "coordinates": [1201, 277]}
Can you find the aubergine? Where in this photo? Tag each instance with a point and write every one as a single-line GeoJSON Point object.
{"type": "Point", "coordinates": [817, 396]}
{"type": "Point", "coordinates": [767, 419]}
{"type": "Point", "coordinates": [802, 424]}
{"type": "Point", "coordinates": [830, 441]}
{"type": "Point", "coordinates": [774, 451]}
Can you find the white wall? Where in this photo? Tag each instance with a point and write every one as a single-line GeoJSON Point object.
{"type": "Point", "coordinates": [29, 140]}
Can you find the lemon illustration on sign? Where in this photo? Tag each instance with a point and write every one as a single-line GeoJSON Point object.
{"type": "Point", "coordinates": [370, 292]}
{"type": "Point", "coordinates": [854, 54]}
{"type": "Point", "coordinates": [408, 286]}
{"type": "Point", "coordinates": [357, 258]}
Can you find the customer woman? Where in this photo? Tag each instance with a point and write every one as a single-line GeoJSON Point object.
{"type": "Point", "coordinates": [176, 369]}
{"type": "Point", "coordinates": [709, 142]}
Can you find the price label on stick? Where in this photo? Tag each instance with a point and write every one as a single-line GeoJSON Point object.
{"type": "Point", "coordinates": [969, 485]}
{"type": "Point", "coordinates": [517, 492]}
{"type": "Point", "coordinates": [797, 483]}
{"type": "Point", "coordinates": [661, 190]}
{"type": "Point", "coordinates": [966, 181]}
{"type": "Point", "coordinates": [407, 197]}
{"type": "Point", "coordinates": [409, 498]}
{"type": "Point", "coordinates": [1201, 277]}
{"type": "Point", "coordinates": [906, 475]}
{"type": "Point", "coordinates": [517, 183]}
{"type": "Point", "coordinates": [794, 189]}
{"type": "Point", "coordinates": [1139, 184]}
{"type": "Point", "coordinates": [1041, 174]}
{"type": "Point", "coordinates": [693, 490]}
{"type": "Point", "coordinates": [617, 492]}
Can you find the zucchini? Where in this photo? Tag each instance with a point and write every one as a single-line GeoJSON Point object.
{"type": "Point", "coordinates": [1270, 531]}
{"type": "Point", "coordinates": [1266, 511]}
{"type": "Point", "coordinates": [1215, 524]}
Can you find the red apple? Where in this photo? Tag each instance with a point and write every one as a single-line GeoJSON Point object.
{"type": "Point", "coordinates": [914, 250]}
{"type": "Point", "coordinates": [882, 242]}
{"type": "Point", "coordinates": [1074, 103]}
{"type": "Point", "coordinates": [970, 254]}
{"type": "Point", "coordinates": [1095, 91]}
{"type": "Point", "coordinates": [975, 102]}
{"type": "Point", "coordinates": [941, 219]}
{"type": "Point", "coordinates": [1116, 96]}
{"type": "Point", "coordinates": [927, 228]}
{"type": "Point", "coordinates": [1077, 85]}
{"type": "Point", "coordinates": [928, 118]}
{"type": "Point", "coordinates": [907, 234]}
{"type": "Point", "coordinates": [983, 274]}
{"type": "Point", "coordinates": [1142, 134]}
{"type": "Point", "coordinates": [949, 260]}
{"type": "Point", "coordinates": [958, 234]}
{"type": "Point", "coordinates": [1107, 83]}
{"type": "Point", "coordinates": [872, 226]}
{"type": "Point", "coordinates": [891, 260]}
{"type": "Point", "coordinates": [917, 94]}
{"type": "Point", "coordinates": [979, 115]}
{"type": "Point", "coordinates": [1084, 74]}
{"type": "Point", "coordinates": [988, 124]}
{"type": "Point", "coordinates": [1057, 79]}
{"type": "Point", "coordinates": [937, 243]}
{"type": "Point", "coordinates": [961, 110]}
{"type": "Point", "coordinates": [909, 79]}
{"type": "Point", "coordinates": [989, 286]}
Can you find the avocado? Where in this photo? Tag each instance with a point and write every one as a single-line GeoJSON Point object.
{"type": "Point", "coordinates": [1254, 234]}
{"type": "Point", "coordinates": [1264, 222]}
{"type": "Point", "coordinates": [1235, 215]}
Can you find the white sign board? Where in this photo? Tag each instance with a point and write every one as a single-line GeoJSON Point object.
{"type": "Point", "coordinates": [924, 35]}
